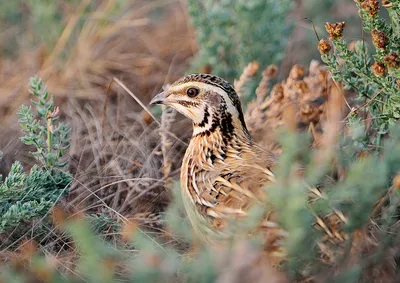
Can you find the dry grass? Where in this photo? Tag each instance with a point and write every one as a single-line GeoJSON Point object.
{"type": "Point", "coordinates": [111, 134]}
{"type": "Point", "coordinates": [117, 155]}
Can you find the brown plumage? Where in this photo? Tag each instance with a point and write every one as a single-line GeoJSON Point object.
{"type": "Point", "coordinates": [223, 172]}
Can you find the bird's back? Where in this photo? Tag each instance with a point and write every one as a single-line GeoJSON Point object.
{"type": "Point", "coordinates": [221, 181]}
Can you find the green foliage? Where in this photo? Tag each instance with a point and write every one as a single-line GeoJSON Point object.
{"type": "Point", "coordinates": [49, 137]}
{"type": "Point", "coordinates": [25, 197]}
{"type": "Point", "coordinates": [318, 12]}
{"type": "Point", "coordinates": [30, 20]}
{"type": "Point", "coordinates": [230, 34]}
{"type": "Point", "coordinates": [142, 258]}
{"type": "Point", "coordinates": [377, 83]}
{"type": "Point", "coordinates": [366, 182]}
{"type": "Point", "coordinates": [34, 23]}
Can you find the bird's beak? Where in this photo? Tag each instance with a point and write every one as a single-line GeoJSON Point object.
{"type": "Point", "coordinates": [160, 98]}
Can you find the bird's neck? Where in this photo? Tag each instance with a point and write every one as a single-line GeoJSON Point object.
{"type": "Point", "coordinates": [226, 130]}
{"type": "Point", "coordinates": [217, 140]}
{"type": "Point", "coordinates": [222, 123]}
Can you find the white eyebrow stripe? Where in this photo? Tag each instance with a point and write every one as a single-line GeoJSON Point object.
{"type": "Point", "coordinates": [207, 87]}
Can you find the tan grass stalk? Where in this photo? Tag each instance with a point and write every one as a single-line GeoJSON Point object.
{"type": "Point", "coordinates": [167, 120]}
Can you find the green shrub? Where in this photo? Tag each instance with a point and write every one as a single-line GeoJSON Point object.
{"type": "Point", "coordinates": [376, 78]}
{"type": "Point", "coordinates": [230, 34]}
{"type": "Point", "coordinates": [25, 197]}
{"type": "Point", "coordinates": [139, 257]}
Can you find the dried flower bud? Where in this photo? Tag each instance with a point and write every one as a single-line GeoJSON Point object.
{"type": "Point", "coordinates": [398, 84]}
{"type": "Point", "coordinates": [301, 86]}
{"type": "Point", "coordinates": [324, 46]}
{"type": "Point", "coordinates": [297, 72]}
{"type": "Point", "coordinates": [252, 69]}
{"type": "Point", "coordinates": [277, 91]}
{"type": "Point", "coordinates": [306, 109]}
{"type": "Point", "coordinates": [380, 39]}
{"type": "Point", "coordinates": [335, 30]}
{"type": "Point", "coordinates": [392, 60]}
{"type": "Point", "coordinates": [371, 6]}
{"type": "Point", "coordinates": [379, 69]}
{"type": "Point", "coordinates": [271, 71]}
{"type": "Point", "coordinates": [248, 72]}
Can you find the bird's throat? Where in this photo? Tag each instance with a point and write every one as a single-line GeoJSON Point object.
{"type": "Point", "coordinates": [223, 124]}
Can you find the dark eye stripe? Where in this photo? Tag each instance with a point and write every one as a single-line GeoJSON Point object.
{"type": "Point", "coordinates": [188, 103]}
{"type": "Point", "coordinates": [220, 83]}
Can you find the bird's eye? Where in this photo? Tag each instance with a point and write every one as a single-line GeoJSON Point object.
{"type": "Point", "coordinates": [192, 92]}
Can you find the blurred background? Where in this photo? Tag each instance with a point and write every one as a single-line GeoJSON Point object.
{"type": "Point", "coordinates": [103, 60]}
{"type": "Point", "coordinates": [77, 47]}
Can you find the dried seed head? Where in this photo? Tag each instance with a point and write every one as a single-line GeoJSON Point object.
{"type": "Point", "coordinates": [324, 46]}
{"type": "Point", "coordinates": [379, 69]}
{"type": "Point", "coordinates": [252, 68]}
{"type": "Point", "coordinates": [398, 84]}
{"type": "Point", "coordinates": [371, 6]}
{"type": "Point", "coordinates": [392, 60]}
{"type": "Point", "coordinates": [297, 72]}
{"type": "Point", "coordinates": [380, 39]}
{"type": "Point", "coordinates": [301, 86]}
{"type": "Point", "coordinates": [277, 91]}
{"type": "Point", "coordinates": [271, 71]}
{"type": "Point", "coordinates": [248, 72]}
{"type": "Point", "coordinates": [306, 109]}
{"type": "Point", "coordinates": [335, 30]}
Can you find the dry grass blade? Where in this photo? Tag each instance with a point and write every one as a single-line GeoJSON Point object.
{"type": "Point", "coordinates": [167, 120]}
{"type": "Point", "coordinates": [137, 100]}
{"type": "Point", "coordinates": [147, 110]}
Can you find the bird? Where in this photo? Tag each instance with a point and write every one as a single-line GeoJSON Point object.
{"type": "Point", "coordinates": [223, 173]}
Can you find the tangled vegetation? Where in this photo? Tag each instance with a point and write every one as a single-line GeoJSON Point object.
{"type": "Point", "coordinates": [101, 200]}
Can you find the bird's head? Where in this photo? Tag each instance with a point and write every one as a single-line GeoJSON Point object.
{"type": "Point", "coordinates": [209, 101]}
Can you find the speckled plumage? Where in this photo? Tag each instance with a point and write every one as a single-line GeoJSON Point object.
{"type": "Point", "coordinates": [223, 172]}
